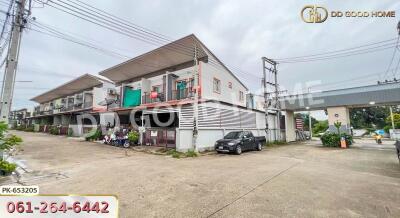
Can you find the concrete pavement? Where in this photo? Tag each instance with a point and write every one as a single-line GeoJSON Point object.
{"type": "Point", "coordinates": [302, 180]}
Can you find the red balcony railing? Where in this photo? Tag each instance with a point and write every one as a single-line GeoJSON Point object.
{"type": "Point", "coordinates": [182, 94]}
{"type": "Point", "coordinates": [151, 97]}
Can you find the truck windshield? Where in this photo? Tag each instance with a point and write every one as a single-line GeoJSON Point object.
{"type": "Point", "coordinates": [233, 135]}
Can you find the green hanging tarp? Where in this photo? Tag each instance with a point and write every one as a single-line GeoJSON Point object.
{"type": "Point", "coordinates": [132, 97]}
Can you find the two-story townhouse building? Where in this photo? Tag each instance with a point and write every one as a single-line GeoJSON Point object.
{"type": "Point", "coordinates": [61, 105]}
{"type": "Point", "coordinates": [157, 91]}
{"type": "Point", "coordinates": [18, 117]}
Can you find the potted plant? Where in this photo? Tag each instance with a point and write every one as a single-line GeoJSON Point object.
{"type": "Point", "coordinates": [133, 137]}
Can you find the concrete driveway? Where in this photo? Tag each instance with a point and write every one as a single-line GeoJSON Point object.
{"type": "Point", "coordinates": [302, 180]}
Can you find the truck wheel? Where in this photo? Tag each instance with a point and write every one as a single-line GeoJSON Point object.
{"type": "Point", "coordinates": [238, 149]}
{"type": "Point", "coordinates": [259, 146]}
{"type": "Point", "coordinates": [398, 155]}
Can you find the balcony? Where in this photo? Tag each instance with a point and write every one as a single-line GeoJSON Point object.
{"type": "Point", "coordinates": [182, 94]}
{"type": "Point", "coordinates": [88, 104]}
{"type": "Point", "coordinates": [78, 105]}
{"type": "Point", "coordinates": [153, 97]}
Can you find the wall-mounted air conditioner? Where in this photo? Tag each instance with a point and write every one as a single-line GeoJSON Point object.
{"type": "Point", "coordinates": [111, 91]}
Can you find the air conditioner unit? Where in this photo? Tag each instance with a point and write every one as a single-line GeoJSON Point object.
{"type": "Point", "coordinates": [111, 91]}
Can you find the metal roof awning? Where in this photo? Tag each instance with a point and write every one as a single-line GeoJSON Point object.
{"type": "Point", "coordinates": [83, 82]}
{"type": "Point", "coordinates": [364, 96]}
{"type": "Point", "coordinates": [172, 54]}
{"type": "Point", "coordinates": [175, 53]}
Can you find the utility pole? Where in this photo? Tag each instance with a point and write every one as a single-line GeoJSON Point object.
{"type": "Point", "coordinates": [391, 117]}
{"type": "Point", "coordinates": [12, 60]}
{"type": "Point", "coordinates": [196, 99]}
{"type": "Point", "coordinates": [272, 69]}
{"type": "Point", "coordinates": [310, 124]}
{"type": "Point", "coordinates": [265, 96]}
{"type": "Point", "coordinates": [277, 104]}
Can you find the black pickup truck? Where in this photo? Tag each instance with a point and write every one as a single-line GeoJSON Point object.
{"type": "Point", "coordinates": [398, 149]}
{"type": "Point", "coordinates": [239, 141]}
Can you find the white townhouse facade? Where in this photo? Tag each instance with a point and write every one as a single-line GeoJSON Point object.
{"type": "Point", "coordinates": [155, 94]}
{"type": "Point", "coordinates": [159, 85]}
{"type": "Point", "coordinates": [61, 105]}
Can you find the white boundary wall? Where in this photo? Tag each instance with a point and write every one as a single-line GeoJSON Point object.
{"type": "Point", "coordinates": [215, 121]}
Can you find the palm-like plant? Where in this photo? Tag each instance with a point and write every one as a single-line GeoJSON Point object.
{"type": "Point", "coordinates": [337, 124]}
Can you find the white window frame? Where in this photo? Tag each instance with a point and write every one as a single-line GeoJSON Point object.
{"type": "Point", "coordinates": [216, 85]}
{"type": "Point", "coordinates": [241, 96]}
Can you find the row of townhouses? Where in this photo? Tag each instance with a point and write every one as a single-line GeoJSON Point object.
{"type": "Point", "coordinates": [155, 92]}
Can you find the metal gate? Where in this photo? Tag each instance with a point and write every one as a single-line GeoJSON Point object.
{"type": "Point", "coordinates": [160, 137]}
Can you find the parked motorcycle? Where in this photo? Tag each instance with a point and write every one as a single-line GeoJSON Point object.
{"type": "Point", "coordinates": [120, 138]}
{"type": "Point", "coordinates": [378, 139]}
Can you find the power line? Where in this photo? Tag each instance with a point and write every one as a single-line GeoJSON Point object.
{"type": "Point", "coordinates": [111, 25]}
{"type": "Point", "coordinates": [135, 26]}
{"type": "Point", "coordinates": [396, 71]}
{"type": "Point", "coordinates": [117, 27]}
{"type": "Point", "coordinates": [63, 36]}
{"type": "Point", "coordinates": [6, 19]}
{"type": "Point", "coordinates": [393, 55]}
{"type": "Point", "coordinates": [334, 51]}
{"type": "Point", "coordinates": [346, 54]}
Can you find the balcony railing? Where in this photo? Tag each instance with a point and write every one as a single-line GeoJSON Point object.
{"type": "Point", "coordinates": [152, 97]}
{"type": "Point", "coordinates": [182, 94]}
{"type": "Point", "coordinates": [88, 104]}
{"type": "Point", "coordinates": [78, 106]}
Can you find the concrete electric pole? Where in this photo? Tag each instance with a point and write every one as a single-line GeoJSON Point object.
{"type": "Point", "coordinates": [196, 99]}
{"type": "Point", "coordinates": [275, 85]}
{"type": "Point", "coordinates": [12, 60]}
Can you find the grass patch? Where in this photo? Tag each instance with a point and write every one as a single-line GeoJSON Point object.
{"type": "Point", "coordinates": [176, 154]}
{"type": "Point", "coordinates": [191, 154]}
{"type": "Point", "coordinates": [275, 143]}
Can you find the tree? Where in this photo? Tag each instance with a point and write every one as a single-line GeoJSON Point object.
{"type": "Point", "coordinates": [372, 117]}
{"type": "Point", "coordinates": [396, 120]}
{"type": "Point", "coordinates": [320, 126]}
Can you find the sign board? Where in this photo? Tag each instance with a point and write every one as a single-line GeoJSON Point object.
{"type": "Point", "coordinates": [153, 133]}
{"type": "Point", "coordinates": [299, 124]}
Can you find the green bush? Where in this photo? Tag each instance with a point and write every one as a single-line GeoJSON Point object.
{"type": "Point", "coordinates": [29, 129]}
{"type": "Point", "coordinates": [70, 132]}
{"type": "Point", "coordinates": [133, 137]}
{"type": "Point", "coordinates": [387, 128]}
{"type": "Point", "coordinates": [20, 128]}
{"type": "Point", "coordinates": [7, 167]}
{"type": "Point", "coordinates": [333, 139]}
{"type": "Point", "coordinates": [191, 153]}
{"type": "Point", "coordinates": [94, 134]}
{"type": "Point", "coordinates": [54, 130]}
{"type": "Point", "coordinates": [176, 155]}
